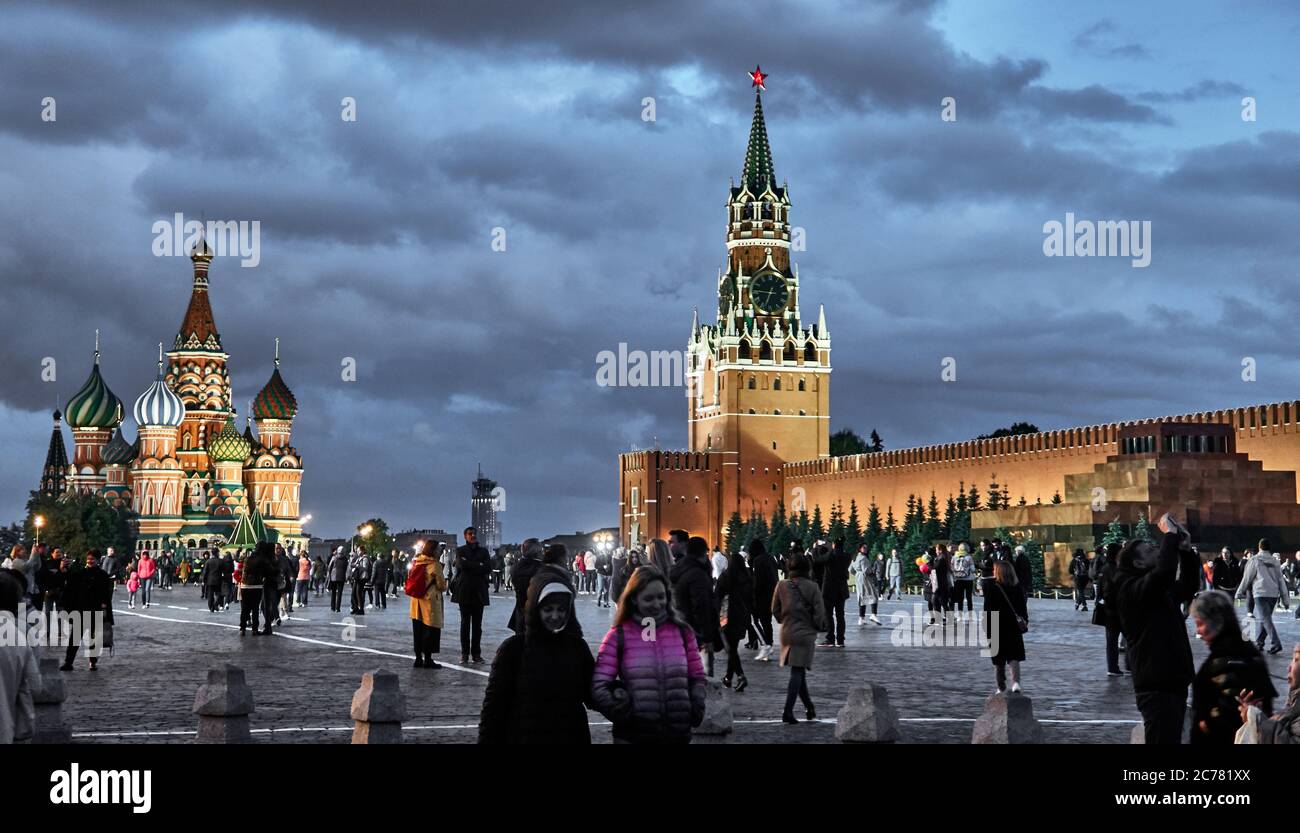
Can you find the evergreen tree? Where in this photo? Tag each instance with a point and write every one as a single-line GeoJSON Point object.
{"type": "Point", "coordinates": [803, 529]}
{"type": "Point", "coordinates": [961, 496]}
{"type": "Point", "coordinates": [778, 533]}
{"type": "Point", "coordinates": [853, 529]}
{"type": "Point", "coordinates": [891, 525]}
{"type": "Point", "coordinates": [735, 533]}
{"type": "Point", "coordinates": [973, 499]}
{"type": "Point", "coordinates": [876, 444]}
{"type": "Point", "coordinates": [1023, 502]}
{"type": "Point", "coordinates": [817, 531]}
{"type": "Point", "coordinates": [913, 548]}
{"type": "Point", "coordinates": [1037, 569]}
{"type": "Point", "coordinates": [1114, 534]}
{"type": "Point", "coordinates": [932, 528]}
{"type": "Point", "coordinates": [875, 532]}
{"type": "Point", "coordinates": [757, 530]}
{"type": "Point", "coordinates": [909, 520]}
{"type": "Point", "coordinates": [993, 497]}
{"type": "Point", "coordinates": [1056, 496]}
{"type": "Point", "coordinates": [1006, 497]}
{"type": "Point", "coordinates": [960, 530]}
{"type": "Point", "coordinates": [1141, 530]}
{"type": "Point", "coordinates": [836, 530]}
{"type": "Point", "coordinates": [949, 515]}
{"type": "Point", "coordinates": [846, 441]}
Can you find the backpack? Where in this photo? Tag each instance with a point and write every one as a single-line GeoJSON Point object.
{"type": "Point", "coordinates": [417, 583]}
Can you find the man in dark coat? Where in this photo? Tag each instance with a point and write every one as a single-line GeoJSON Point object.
{"type": "Point", "coordinates": [379, 572]}
{"type": "Point", "coordinates": [359, 575]}
{"type": "Point", "coordinates": [229, 591]}
{"type": "Point", "coordinates": [763, 567]}
{"type": "Point", "coordinates": [471, 593]}
{"type": "Point", "coordinates": [835, 592]}
{"type": "Point", "coordinates": [1024, 572]}
{"type": "Point", "coordinates": [88, 592]}
{"type": "Point", "coordinates": [1079, 573]}
{"type": "Point", "coordinates": [1144, 591]}
{"type": "Point", "coordinates": [692, 580]}
{"type": "Point", "coordinates": [530, 561]}
{"type": "Point", "coordinates": [338, 576]}
{"type": "Point", "coordinates": [540, 686]}
{"type": "Point", "coordinates": [211, 582]}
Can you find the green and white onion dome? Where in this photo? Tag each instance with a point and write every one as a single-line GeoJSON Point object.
{"type": "Point", "coordinates": [159, 406]}
{"type": "Point", "coordinates": [94, 406]}
{"type": "Point", "coordinates": [229, 446]}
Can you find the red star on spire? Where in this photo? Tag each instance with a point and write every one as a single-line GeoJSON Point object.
{"type": "Point", "coordinates": [757, 76]}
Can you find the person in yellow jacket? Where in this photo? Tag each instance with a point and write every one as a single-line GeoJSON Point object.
{"type": "Point", "coordinates": [426, 610]}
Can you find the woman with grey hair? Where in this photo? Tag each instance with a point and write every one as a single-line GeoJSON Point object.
{"type": "Point", "coordinates": [1234, 666]}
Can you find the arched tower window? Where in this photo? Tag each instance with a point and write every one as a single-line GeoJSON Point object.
{"type": "Point", "coordinates": [765, 352]}
{"type": "Point", "coordinates": [744, 350]}
{"type": "Point", "coordinates": [809, 353]}
{"type": "Point", "coordinates": [776, 383]}
{"type": "Point", "coordinates": [752, 383]}
{"type": "Point", "coordinates": [803, 385]}
{"type": "Point", "coordinates": [789, 354]}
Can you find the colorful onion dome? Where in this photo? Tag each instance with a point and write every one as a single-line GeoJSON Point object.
{"type": "Point", "coordinates": [119, 452]}
{"type": "Point", "coordinates": [158, 405]}
{"type": "Point", "coordinates": [94, 406]}
{"type": "Point", "coordinates": [228, 446]}
{"type": "Point", "coordinates": [275, 400]}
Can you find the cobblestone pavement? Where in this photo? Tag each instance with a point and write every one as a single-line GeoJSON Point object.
{"type": "Point", "coordinates": [303, 678]}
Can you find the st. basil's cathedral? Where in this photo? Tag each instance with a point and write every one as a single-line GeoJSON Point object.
{"type": "Point", "coordinates": [191, 477]}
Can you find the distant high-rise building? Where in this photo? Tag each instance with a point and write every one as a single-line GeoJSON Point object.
{"type": "Point", "coordinates": [483, 506]}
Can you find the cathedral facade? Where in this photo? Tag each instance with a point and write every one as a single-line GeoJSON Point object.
{"type": "Point", "coordinates": [758, 427]}
{"type": "Point", "coordinates": [191, 473]}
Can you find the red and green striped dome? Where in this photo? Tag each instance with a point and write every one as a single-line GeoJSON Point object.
{"type": "Point", "coordinates": [275, 400]}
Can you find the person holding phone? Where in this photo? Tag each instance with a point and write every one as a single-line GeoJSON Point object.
{"type": "Point", "coordinates": [1147, 594]}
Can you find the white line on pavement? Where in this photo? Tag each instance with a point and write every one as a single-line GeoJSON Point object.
{"type": "Point", "coordinates": [177, 607]}
{"type": "Point", "coordinates": [304, 639]}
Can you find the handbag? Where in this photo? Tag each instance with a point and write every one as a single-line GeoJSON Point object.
{"type": "Point", "coordinates": [1099, 613]}
{"type": "Point", "coordinates": [1021, 622]}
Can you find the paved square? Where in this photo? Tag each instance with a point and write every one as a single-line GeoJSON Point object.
{"type": "Point", "coordinates": [303, 678]}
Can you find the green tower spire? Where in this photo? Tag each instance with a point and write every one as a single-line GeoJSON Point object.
{"type": "Point", "coordinates": [758, 171]}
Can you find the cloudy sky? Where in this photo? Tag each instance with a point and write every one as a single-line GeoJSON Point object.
{"type": "Point", "coordinates": [924, 236]}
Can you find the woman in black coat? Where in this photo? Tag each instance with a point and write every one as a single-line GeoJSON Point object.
{"type": "Point", "coordinates": [1233, 666]}
{"type": "Point", "coordinates": [1106, 612]}
{"type": "Point", "coordinates": [1005, 598]}
{"type": "Point", "coordinates": [540, 686]}
{"type": "Point", "coordinates": [736, 591]}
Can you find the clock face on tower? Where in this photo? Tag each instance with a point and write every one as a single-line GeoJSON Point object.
{"type": "Point", "coordinates": [769, 293]}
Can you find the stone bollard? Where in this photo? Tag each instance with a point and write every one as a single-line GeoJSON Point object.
{"type": "Point", "coordinates": [378, 707]}
{"type": "Point", "coordinates": [718, 717]}
{"type": "Point", "coordinates": [1007, 718]}
{"type": "Point", "coordinates": [867, 717]}
{"type": "Point", "coordinates": [223, 705]}
{"type": "Point", "coordinates": [50, 727]}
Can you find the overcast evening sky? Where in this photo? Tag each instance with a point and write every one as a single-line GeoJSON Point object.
{"type": "Point", "coordinates": [924, 236]}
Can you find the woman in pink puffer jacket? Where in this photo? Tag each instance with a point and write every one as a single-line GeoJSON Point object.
{"type": "Point", "coordinates": [649, 680]}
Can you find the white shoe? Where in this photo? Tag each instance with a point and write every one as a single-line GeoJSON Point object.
{"type": "Point", "coordinates": [1015, 688]}
{"type": "Point", "coordinates": [861, 621]}
{"type": "Point", "coordinates": [876, 619]}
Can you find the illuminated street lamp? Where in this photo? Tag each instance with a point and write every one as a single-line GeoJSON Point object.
{"type": "Point", "coordinates": [362, 532]}
{"type": "Point", "coordinates": [38, 522]}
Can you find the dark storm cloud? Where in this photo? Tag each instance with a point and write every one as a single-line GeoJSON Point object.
{"type": "Point", "coordinates": [925, 237]}
{"type": "Point", "coordinates": [1204, 89]}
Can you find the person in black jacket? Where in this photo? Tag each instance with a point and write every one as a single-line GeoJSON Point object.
{"type": "Point", "coordinates": [473, 572]}
{"type": "Point", "coordinates": [1233, 666]}
{"type": "Point", "coordinates": [359, 576]}
{"type": "Point", "coordinates": [89, 592]}
{"type": "Point", "coordinates": [766, 578]}
{"type": "Point", "coordinates": [1079, 573]}
{"type": "Point", "coordinates": [1024, 572]}
{"type": "Point", "coordinates": [338, 576]}
{"type": "Point", "coordinates": [540, 686]}
{"type": "Point", "coordinates": [1101, 572]}
{"type": "Point", "coordinates": [530, 561]}
{"type": "Point", "coordinates": [835, 590]}
{"type": "Point", "coordinates": [229, 592]}
{"type": "Point", "coordinates": [692, 578]}
{"type": "Point", "coordinates": [736, 590]}
{"type": "Point", "coordinates": [1145, 590]}
{"type": "Point", "coordinates": [51, 579]}
{"type": "Point", "coordinates": [259, 568]}
{"type": "Point", "coordinates": [211, 582]}
{"type": "Point", "coordinates": [379, 572]}
{"type": "Point", "coordinates": [554, 557]}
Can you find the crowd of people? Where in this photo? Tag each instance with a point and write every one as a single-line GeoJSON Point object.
{"type": "Point", "coordinates": [677, 603]}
